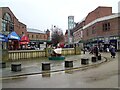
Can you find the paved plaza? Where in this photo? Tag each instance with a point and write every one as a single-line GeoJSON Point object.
{"type": "Point", "coordinates": [104, 75]}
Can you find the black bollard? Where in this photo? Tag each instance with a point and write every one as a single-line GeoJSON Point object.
{"type": "Point", "coordinates": [68, 63]}
{"type": "Point", "coordinates": [84, 61]}
{"type": "Point", "coordinates": [16, 67]}
{"type": "Point", "coordinates": [2, 65]}
{"type": "Point", "coordinates": [45, 66]}
{"type": "Point", "coordinates": [94, 59]}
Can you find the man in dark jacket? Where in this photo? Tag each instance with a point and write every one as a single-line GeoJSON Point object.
{"type": "Point", "coordinates": [96, 50]}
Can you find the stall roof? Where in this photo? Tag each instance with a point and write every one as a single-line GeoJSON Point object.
{"type": "Point", "coordinates": [13, 36]}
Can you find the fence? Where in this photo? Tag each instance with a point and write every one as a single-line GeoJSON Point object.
{"type": "Point", "coordinates": [26, 54]}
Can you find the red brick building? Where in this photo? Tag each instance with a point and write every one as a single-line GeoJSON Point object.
{"type": "Point", "coordinates": [37, 37]}
{"type": "Point", "coordinates": [99, 27]}
{"type": "Point", "coordinates": [10, 23]}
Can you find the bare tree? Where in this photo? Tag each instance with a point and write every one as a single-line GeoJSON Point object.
{"type": "Point", "coordinates": [57, 36]}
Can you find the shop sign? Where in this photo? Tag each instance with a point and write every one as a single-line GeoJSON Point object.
{"type": "Point", "coordinates": [106, 41]}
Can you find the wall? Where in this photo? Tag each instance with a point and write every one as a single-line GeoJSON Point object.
{"type": "Point", "coordinates": [26, 54]}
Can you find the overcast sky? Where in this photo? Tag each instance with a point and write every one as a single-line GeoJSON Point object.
{"type": "Point", "coordinates": [42, 14]}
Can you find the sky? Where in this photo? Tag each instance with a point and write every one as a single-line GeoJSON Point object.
{"type": "Point", "coordinates": [42, 14]}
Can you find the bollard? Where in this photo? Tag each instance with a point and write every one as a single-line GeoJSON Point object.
{"type": "Point", "coordinates": [16, 67]}
{"type": "Point", "coordinates": [93, 59]}
{"type": "Point", "coordinates": [84, 61]}
{"type": "Point", "coordinates": [68, 63]}
{"type": "Point", "coordinates": [45, 66]}
{"type": "Point", "coordinates": [2, 65]}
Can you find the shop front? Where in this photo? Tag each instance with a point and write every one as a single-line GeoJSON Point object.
{"type": "Point", "coordinates": [13, 41]}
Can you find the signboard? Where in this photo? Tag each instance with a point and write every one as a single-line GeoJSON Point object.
{"type": "Point", "coordinates": [106, 40]}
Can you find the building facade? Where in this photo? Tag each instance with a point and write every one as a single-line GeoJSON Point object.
{"type": "Point", "coordinates": [9, 23]}
{"type": "Point", "coordinates": [38, 39]}
{"type": "Point", "coordinates": [99, 27]}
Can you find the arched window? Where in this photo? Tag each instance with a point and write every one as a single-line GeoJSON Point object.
{"type": "Point", "coordinates": [7, 17]}
{"type": "Point", "coordinates": [7, 24]}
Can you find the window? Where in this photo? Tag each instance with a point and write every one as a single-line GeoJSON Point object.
{"type": "Point", "coordinates": [7, 24]}
{"type": "Point", "coordinates": [28, 35]}
{"type": "Point", "coordinates": [7, 17]}
{"type": "Point", "coordinates": [106, 26]}
{"type": "Point", "coordinates": [93, 30]}
{"type": "Point", "coordinates": [11, 27]}
{"type": "Point", "coordinates": [4, 26]}
{"type": "Point", "coordinates": [87, 32]}
{"type": "Point", "coordinates": [36, 36]}
{"type": "Point", "coordinates": [22, 32]}
{"type": "Point", "coordinates": [32, 36]}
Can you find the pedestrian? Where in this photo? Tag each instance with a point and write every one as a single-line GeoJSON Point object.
{"type": "Point", "coordinates": [91, 50]}
{"type": "Point", "coordinates": [107, 49]}
{"type": "Point", "coordinates": [112, 51]}
{"type": "Point", "coordinates": [84, 50]}
{"type": "Point", "coordinates": [96, 51]}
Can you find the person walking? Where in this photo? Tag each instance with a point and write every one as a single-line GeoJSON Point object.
{"type": "Point", "coordinates": [112, 51]}
{"type": "Point", "coordinates": [96, 50]}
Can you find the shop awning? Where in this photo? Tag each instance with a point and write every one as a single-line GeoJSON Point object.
{"type": "Point", "coordinates": [24, 40]}
{"type": "Point", "coordinates": [3, 38]}
{"type": "Point", "coordinates": [13, 36]}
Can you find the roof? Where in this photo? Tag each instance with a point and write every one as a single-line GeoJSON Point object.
{"type": "Point", "coordinates": [102, 19]}
{"type": "Point", "coordinates": [35, 30]}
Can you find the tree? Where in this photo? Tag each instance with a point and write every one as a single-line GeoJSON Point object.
{"type": "Point", "coordinates": [57, 35]}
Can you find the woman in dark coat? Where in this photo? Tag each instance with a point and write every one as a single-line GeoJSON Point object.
{"type": "Point", "coordinates": [112, 51]}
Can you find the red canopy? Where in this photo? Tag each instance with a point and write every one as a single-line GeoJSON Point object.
{"type": "Point", "coordinates": [24, 40]}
